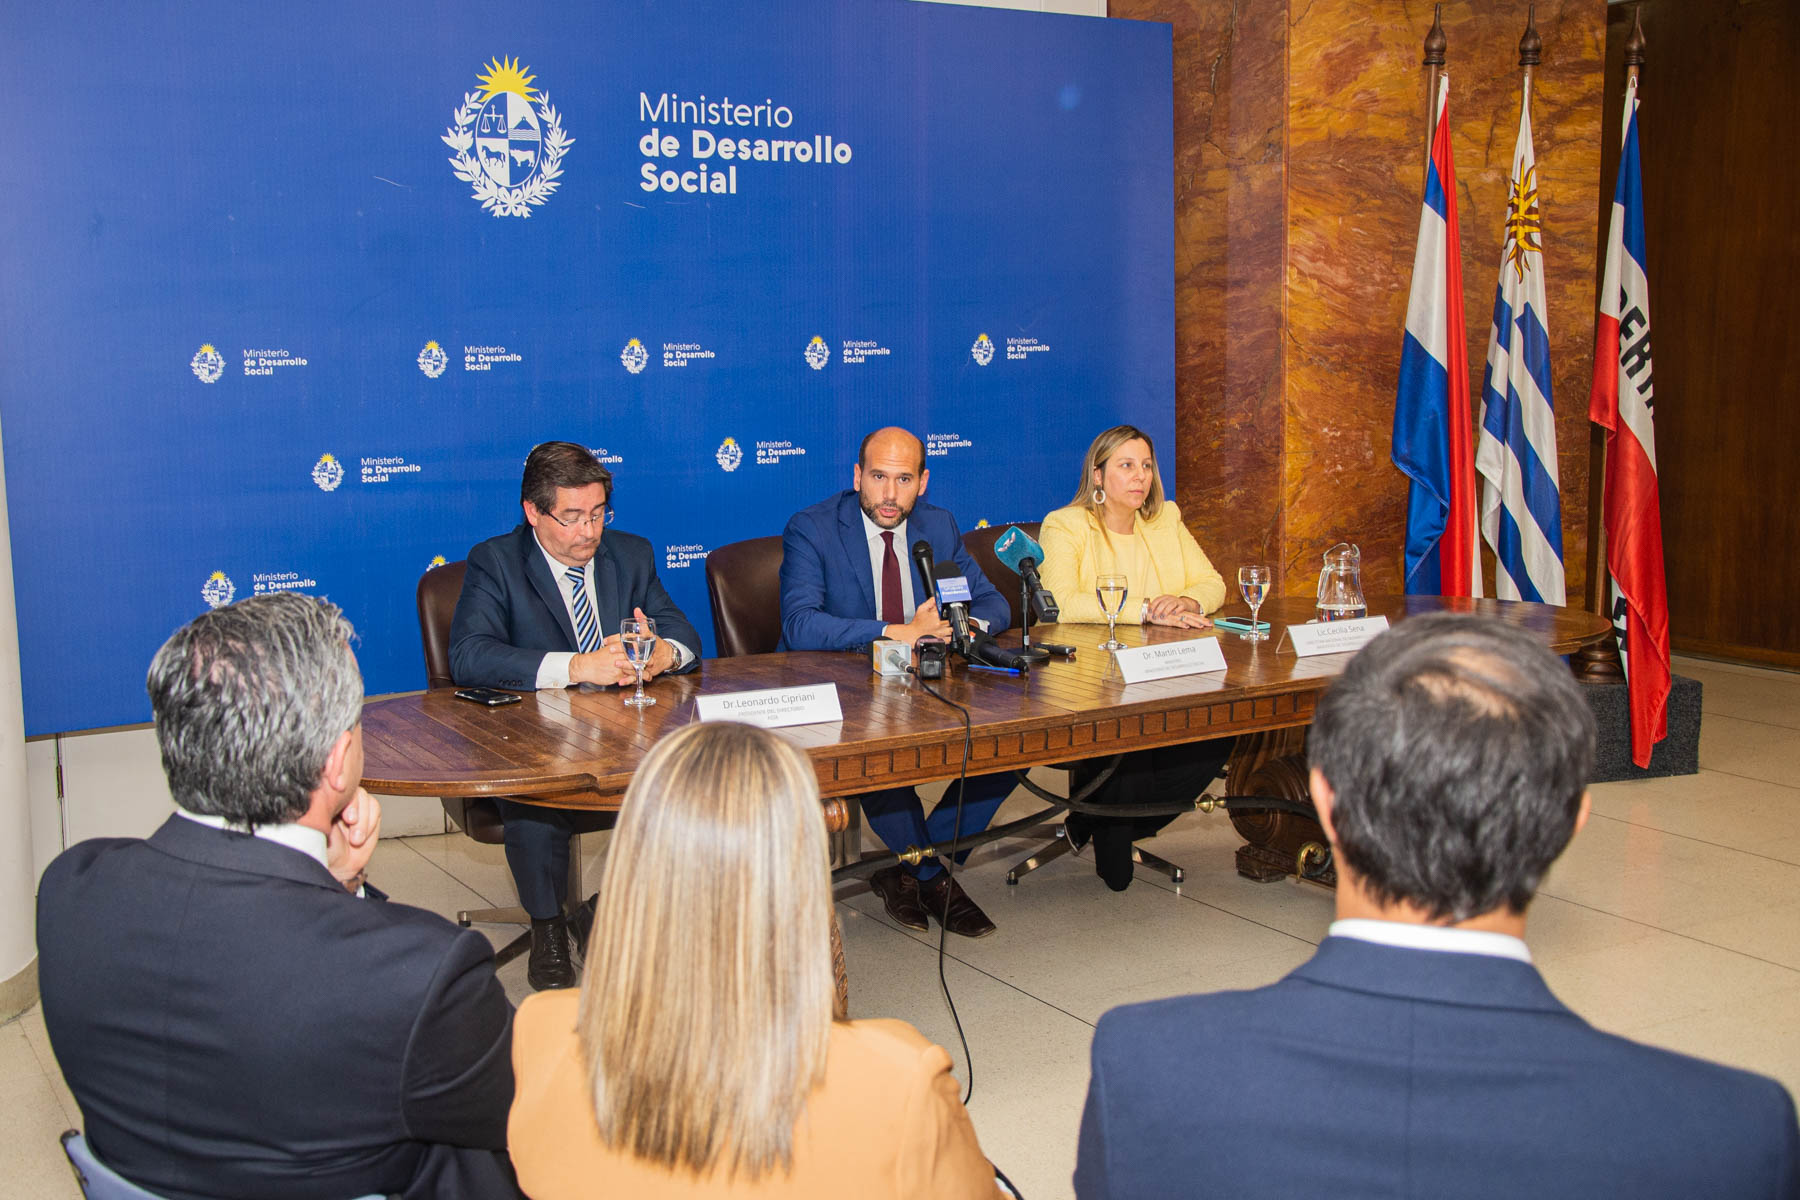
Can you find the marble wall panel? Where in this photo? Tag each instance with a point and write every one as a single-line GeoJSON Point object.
{"type": "Point", "coordinates": [1356, 136]}
{"type": "Point", "coordinates": [1300, 132]}
{"type": "Point", "coordinates": [1229, 112]}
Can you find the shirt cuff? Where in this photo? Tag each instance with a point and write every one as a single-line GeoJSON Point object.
{"type": "Point", "coordinates": [553, 670]}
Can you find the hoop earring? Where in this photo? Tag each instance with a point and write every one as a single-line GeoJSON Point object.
{"type": "Point", "coordinates": [1099, 497]}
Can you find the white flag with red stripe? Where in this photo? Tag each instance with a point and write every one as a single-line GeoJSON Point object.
{"type": "Point", "coordinates": [1623, 402]}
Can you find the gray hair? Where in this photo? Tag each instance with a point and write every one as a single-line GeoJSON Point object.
{"type": "Point", "coordinates": [249, 700]}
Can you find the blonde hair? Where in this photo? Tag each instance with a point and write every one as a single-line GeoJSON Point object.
{"type": "Point", "coordinates": [1099, 451]}
{"type": "Point", "coordinates": [707, 1000]}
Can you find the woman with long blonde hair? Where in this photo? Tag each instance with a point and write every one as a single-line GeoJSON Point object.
{"type": "Point", "coordinates": [702, 1055]}
{"type": "Point", "coordinates": [1120, 522]}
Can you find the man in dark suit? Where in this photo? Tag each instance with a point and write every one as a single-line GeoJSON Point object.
{"type": "Point", "coordinates": [1419, 1052]}
{"type": "Point", "coordinates": [848, 578]}
{"type": "Point", "coordinates": [234, 1011]}
{"type": "Point", "coordinates": [541, 608]}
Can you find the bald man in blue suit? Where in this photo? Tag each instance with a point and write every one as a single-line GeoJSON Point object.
{"type": "Point", "coordinates": [848, 578]}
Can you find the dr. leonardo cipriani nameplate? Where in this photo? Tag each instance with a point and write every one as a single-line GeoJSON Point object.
{"type": "Point", "coordinates": [1165, 660]}
{"type": "Point", "coordinates": [773, 708]}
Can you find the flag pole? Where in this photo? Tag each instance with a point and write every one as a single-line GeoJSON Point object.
{"type": "Point", "coordinates": [1599, 663]}
{"type": "Point", "coordinates": [1531, 53]}
{"type": "Point", "coordinates": [1435, 44]}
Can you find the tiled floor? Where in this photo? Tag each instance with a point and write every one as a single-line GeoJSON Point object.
{"type": "Point", "coordinates": [1674, 918]}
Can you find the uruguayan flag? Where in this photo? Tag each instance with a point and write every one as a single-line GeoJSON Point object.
{"type": "Point", "coordinates": [1521, 508]}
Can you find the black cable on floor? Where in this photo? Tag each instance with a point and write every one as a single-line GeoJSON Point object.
{"type": "Point", "coordinates": [962, 778]}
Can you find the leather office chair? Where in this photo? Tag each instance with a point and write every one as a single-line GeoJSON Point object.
{"type": "Point", "coordinates": [476, 816]}
{"type": "Point", "coordinates": [743, 585]}
{"type": "Point", "coordinates": [743, 582]}
{"type": "Point", "coordinates": [980, 545]}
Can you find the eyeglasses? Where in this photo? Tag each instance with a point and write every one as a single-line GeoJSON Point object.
{"type": "Point", "coordinates": [601, 516]}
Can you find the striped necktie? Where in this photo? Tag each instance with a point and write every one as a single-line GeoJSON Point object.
{"type": "Point", "coordinates": [587, 633]}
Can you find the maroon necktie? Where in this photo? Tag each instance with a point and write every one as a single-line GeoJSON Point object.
{"type": "Point", "coordinates": [891, 603]}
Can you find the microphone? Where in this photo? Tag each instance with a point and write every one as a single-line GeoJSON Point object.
{"type": "Point", "coordinates": [984, 649]}
{"type": "Point", "coordinates": [1019, 551]}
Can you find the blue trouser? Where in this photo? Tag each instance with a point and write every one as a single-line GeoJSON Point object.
{"type": "Point", "coordinates": [899, 820]}
{"type": "Point", "coordinates": [537, 851]}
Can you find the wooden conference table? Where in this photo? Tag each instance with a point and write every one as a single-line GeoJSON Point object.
{"type": "Point", "coordinates": [579, 748]}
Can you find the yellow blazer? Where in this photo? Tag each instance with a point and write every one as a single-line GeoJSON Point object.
{"type": "Point", "coordinates": [1077, 549]}
{"type": "Point", "coordinates": [887, 1121]}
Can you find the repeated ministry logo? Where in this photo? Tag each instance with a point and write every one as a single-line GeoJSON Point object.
{"type": "Point", "coordinates": [729, 454]}
{"type": "Point", "coordinates": [207, 364]}
{"type": "Point", "coordinates": [634, 356]}
{"type": "Point", "coordinates": [817, 353]}
{"type": "Point", "coordinates": [328, 472]}
{"type": "Point", "coordinates": [509, 141]}
{"type": "Point", "coordinates": [433, 360]}
{"type": "Point", "coordinates": [982, 351]}
{"type": "Point", "coordinates": [218, 590]}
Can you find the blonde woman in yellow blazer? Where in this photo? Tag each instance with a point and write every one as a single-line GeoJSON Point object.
{"type": "Point", "coordinates": [702, 1055]}
{"type": "Point", "coordinates": [1121, 523]}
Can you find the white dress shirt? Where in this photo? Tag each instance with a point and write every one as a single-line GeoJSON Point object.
{"type": "Point", "coordinates": [1408, 936]}
{"type": "Point", "coordinates": [294, 836]}
{"type": "Point", "coordinates": [553, 668]}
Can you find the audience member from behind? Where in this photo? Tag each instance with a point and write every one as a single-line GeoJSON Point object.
{"type": "Point", "coordinates": [1419, 1052]}
{"type": "Point", "coordinates": [702, 1055]}
{"type": "Point", "coordinates": [235, 1013]}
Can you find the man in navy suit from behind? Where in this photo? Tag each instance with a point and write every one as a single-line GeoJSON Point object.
{"type": "Point", "coordinates": [1419, 1053]}
{"type": "Point", "coordinates": [540, 608]}
{"type": "Point", "coordinates": [848, 578]}
{"type": "Point", "coordinates": [235, 1011]}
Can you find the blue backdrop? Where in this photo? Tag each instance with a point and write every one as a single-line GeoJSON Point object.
{"type": "Point", "coordinates": [289, 293]}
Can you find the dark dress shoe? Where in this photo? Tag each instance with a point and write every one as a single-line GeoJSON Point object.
{"type": "Point", "coordinates": [581, 926]}
{"type": "Point", "coordinates": [1112, 853]}
{"type": "Point", "coordinates": [899, 894]}
{"type": "Point", "coordinates": [945, 899]}
{"type": "Point", "coordinates": [550, 965]}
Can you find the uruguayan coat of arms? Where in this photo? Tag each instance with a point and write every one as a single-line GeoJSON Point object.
{"type": "Point", "coordinates": [509, 141]}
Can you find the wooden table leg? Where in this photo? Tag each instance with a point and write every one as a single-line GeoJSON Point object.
{"type": "Point", "coordinates": [841, 993]}
{"type": "Point", "coordinates": [1273, 764]}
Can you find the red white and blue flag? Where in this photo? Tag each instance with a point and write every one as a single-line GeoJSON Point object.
{"type": "Point", "coordinates": [1432, 423]}
{"type": "Point", "coordinates": [1622, 402]}
{"type": "Point", "coordinates": [1515, 454]}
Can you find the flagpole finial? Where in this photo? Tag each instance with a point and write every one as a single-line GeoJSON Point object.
{"type": "Point", "coordinates": [1435, 42]}
{"type": "Point", "coordinates": [1634, 42]}
{"type": "Point", "coordinates": [1531, 46]}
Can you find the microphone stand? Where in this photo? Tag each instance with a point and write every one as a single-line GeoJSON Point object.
{"type": "Point", "coordinates": [1031, 654]}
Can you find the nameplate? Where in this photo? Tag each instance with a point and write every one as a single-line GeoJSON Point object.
{"type": "Point", "coordinates": [773, 708]}
{"type": "Point", "coordinates": [1139, 664]}
{"type": "Point", "coordinates": [1336, 637]}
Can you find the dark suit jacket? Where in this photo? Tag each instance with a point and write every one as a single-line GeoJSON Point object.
{"type": "Point", "coordinates": [828, 597]}
{"type": "Point", "coordinates": [234, 1023]}
{"type": "Point", "coordinates": [510, 612]}
{"type": "Point", "coordinates": [1374, 1071]}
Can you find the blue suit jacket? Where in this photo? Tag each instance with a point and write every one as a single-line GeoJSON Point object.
{"type": "Point", "coordinates": [510, 612]}
{"type": "Point", "coordinates": [828, 591]}
{"type": "Point", "coordinates": [1373, 1071]}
